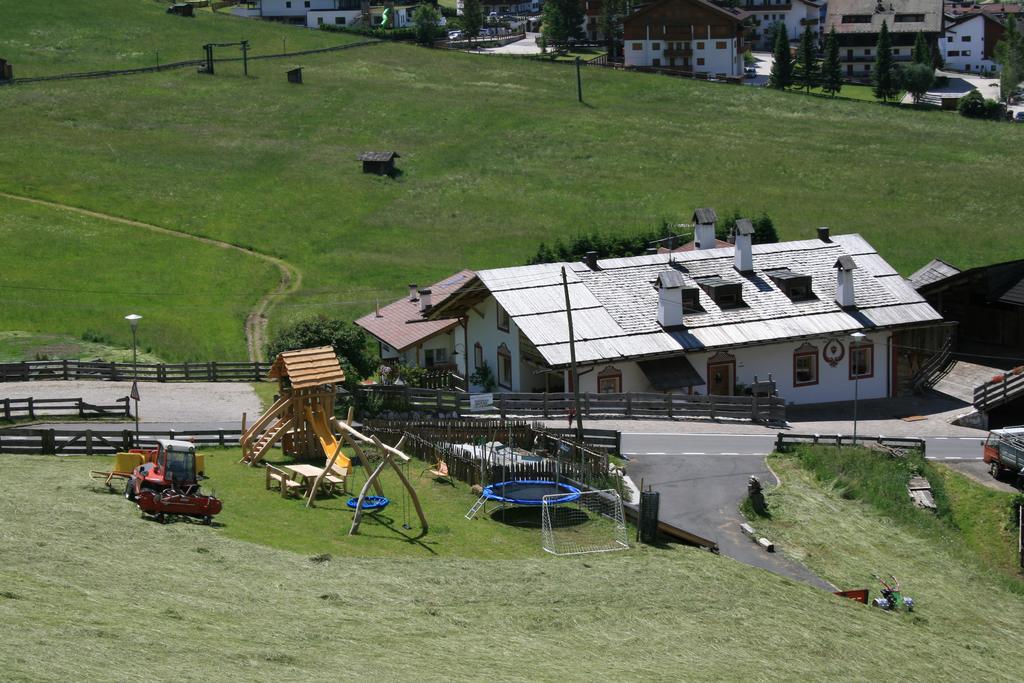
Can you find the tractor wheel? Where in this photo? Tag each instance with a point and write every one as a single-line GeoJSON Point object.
{"type": "Point", "coordinates": [208, 520]}
{"type": "Point", "coordinates": [162, 518]}
{"type": "Point", "coordinates": [129, 489]}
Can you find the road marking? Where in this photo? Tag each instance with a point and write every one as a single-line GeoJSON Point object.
{"type": "Point", "coordinates": [941, 438]}
{"type": "Point", "coordinates": [728, 453]}
{"type": "Point", "coordinates": [691, 453]}
{"type": "Point", "coordinates": [655, 453]}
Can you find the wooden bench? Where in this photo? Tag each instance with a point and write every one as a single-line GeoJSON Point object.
{"type": "Point", "coordinates": [283, 480]}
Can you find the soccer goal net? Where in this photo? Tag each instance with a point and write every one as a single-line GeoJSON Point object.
{"type": "Point", "coordinates": [590, 523]}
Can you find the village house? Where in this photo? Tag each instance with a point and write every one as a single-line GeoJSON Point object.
{"type": "Point", "coordinates": [317, 13]}
{"type": "Point", "coordinates": [968, 43]}
{"type": "Point", "coordinates": [795, 15]}
{"type": "Point", "coordinates": [406, 336]}
{"type": "Point", "coordinates": [706, 321]}
{"type": "Point", "coordinates": [857, 23]}
{"type": "Point", "coordinates": [688, 36]}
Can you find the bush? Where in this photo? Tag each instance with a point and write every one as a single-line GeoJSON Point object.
{"type": "Point", "coordinates": [374, 31]}
{"type": "Point", "coordinates": [974, 106]}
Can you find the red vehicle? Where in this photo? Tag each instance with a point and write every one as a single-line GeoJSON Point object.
{"type": "Point", "coordinates": [1004, 453]}
{"type": "Point", "coordinates": [167, 484]}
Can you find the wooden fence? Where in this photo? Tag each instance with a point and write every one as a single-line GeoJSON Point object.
{"type": "Point", "coordinates": [761, 409]}
{"type": "Point", "coordinates": [210, 371]}
{"type": "Point", "coordinates": [1001, 389]}
{"type": "Point", "coordinates": [102, 442]}
{"type": "Point", "coordinates": [11, 408]}
{"type": "Point", "coordinates": [783, 441]}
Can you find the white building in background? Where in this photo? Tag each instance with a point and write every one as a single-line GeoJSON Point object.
{"type": "Point", "coordinates": [707, 321]}
{"type": "Point", "coordinates": [689, 36]}
{"type": "Point", "coordinates": [795, 15]}
{"type": "Point", "coordinates": [969, 42]}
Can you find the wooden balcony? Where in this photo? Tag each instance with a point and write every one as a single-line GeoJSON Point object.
{"type": "Point", "coordinates": [766, 8]}
{"type": "Point", "coordinates": [678, 52]}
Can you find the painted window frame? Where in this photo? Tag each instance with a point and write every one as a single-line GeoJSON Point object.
{"type": "Point", "coordinates": [869, 348]}
{"type": "Point", "coordinates": [610, 374]}
{"type": "Point", "coordinates": [504, 355]}
{"type": "Point", "coordinates": [805, 352]}
{"type": "Point", "coordinates": [478, 356]}
{"type": "Point", "coordinates": [500, 312]}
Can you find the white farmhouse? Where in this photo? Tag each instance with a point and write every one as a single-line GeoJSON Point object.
{"type": "Point", "coordinates": [706, 321]}
{"type": "Point", "coordinates": [795, 15]}
{"type": "Point", "coordinates": [689, 36]}
{"type": "Point", "coordinates": [968, 43]}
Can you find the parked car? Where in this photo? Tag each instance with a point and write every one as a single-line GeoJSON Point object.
{"type": "Point", "coordinates": [454, 35]}
{"type": "Point", "coordinates": [749, 72]}
{"type": "Point", "coordinates": [1019, 117]}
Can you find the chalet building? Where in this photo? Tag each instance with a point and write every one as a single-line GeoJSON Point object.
{"type": "Point", "coordinates": [592, 20]}
{"type": "Point", "coordinates": [857, 23]}
{"type": "Point", "coordinates": [503, 7]}
{"type": "Point", "coordinates": [705, 321]}
{"type": "Point", "coordinates": [795, 15]}
{"type": "Point", "coordinates": [406, 336]}
{"type": "Point", "coordinates": [689, 36]}
{"type": "Point", "coordinates": [996, 10]}
{"type": "Point", "coordinates": [987, 304]}
{"type": "Point", "coordinates": [317, 13]}
{"type": "Point", "coordinates": [968, 43]}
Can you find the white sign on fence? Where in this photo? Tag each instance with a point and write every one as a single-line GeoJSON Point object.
{"type": "Point", "coordinates": [480, 401]}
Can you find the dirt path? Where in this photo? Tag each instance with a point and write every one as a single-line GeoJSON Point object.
{"type": "Point", "coordinates": [256, 322]}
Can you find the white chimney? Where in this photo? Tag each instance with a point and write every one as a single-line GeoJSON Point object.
{"type": "Point", "coordinates": [412, 292]}
{"type": "Point", "coordinates": [704, 228]}
{"type": "Point", "coordinates": [844, 281]}
{"type": "Point", "coordinates": [743, 259]}
{"type": "Point", "coordinates": [424, 300]}
{"type": "Point", "coordinates": [670, 299]}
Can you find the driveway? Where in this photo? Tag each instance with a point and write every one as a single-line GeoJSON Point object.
{"type": "Point", "coordinates": [702, 493]}
{"type": "Point", "coordinates": [763, 66]}
{"type": "Point", "coordinates": [526, 46]}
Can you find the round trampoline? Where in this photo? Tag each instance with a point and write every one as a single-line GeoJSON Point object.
{"type": "Point", "coordinates": [370, 503]}
{"type": "Point", "coordinates": [530, 492]}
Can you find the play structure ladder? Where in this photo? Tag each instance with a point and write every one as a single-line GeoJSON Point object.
{"type": "Point", "coordinates": [266, 440]}
{"type": "Point", "coordinates": [476, 507]}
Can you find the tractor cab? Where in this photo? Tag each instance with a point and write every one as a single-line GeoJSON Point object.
{"type": "Point", "coordinates": [169, 483]}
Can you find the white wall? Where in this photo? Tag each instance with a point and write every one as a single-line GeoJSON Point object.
{"type": "Point", "coordinates": [833, 384]}
{"type": "Point", "coordinates": [316, 18]}
{"type": "Point", "coordinates": [966, 37]}
{"type": "Point", "coordinates": [485, 330]}
{"type": "Point", "coordinates": [445, 340]}
{"type": "Point", "coordinates": [716, 61]}
{"type": "Point", "coordinates": [280, 8]}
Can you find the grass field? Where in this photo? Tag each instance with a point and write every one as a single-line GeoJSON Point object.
{"type": "Point", "coordinates": [17, 346]}
{"type": "Point", "coordinates": [84, 580]}
{"type": "Point", "coordinates": [496, 156]}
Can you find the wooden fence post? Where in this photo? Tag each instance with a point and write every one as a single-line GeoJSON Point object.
{"type": "Point", "coordinates": [81, 408]}
{"type": "Point", "coordinates": [65, 364]}
{"type": "Point", "coordinates": [7, 409]}
{"type": "Point", "coordinates": [629, 404]}
{"type": "Point", "coordinates": [161, 372]}
{"type": "Point", "coordinates": [753, 408]}
{"type": "Point", "coordinates": [49, 442]}
{"type": "Point", "coordinates": [31, 408]}
{"type": "Point", "coordinates": [586, 404]}
{"type": "Point", "coordinates": [211, 371]}
{"type": "Point", "coordinates": [545, 404]}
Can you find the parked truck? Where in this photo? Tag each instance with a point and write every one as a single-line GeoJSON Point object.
{"type": "Point", "coordinates": [1004, 452]}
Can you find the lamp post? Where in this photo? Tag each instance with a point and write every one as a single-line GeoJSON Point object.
{"type": "Point", "coordinates": [856, 338]}
{"type": "Point", "coordinates": [133, 320]}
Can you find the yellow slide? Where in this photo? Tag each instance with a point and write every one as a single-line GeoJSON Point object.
{"type": "Point", "coordinates": [322, 427]}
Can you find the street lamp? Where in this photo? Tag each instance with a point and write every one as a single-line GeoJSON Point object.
{"type": "Point", "coordinates": [856, 337]}
{"type": "Point", "coordinates": [133, 320]}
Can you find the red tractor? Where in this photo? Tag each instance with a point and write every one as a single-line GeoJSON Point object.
{"type": "Point", "coordinates": [167, 484]}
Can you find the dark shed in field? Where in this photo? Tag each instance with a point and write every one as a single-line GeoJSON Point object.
{"type": "Point", "coordinates": [6, 71]}
{"type": "Point", "coordinates": [381, 163]}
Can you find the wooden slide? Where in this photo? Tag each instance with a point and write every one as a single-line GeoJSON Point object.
{"type": "Point", "coordinates": [322, 427]}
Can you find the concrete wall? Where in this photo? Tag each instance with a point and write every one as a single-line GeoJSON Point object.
{"type": "Point", "coordinates": [298, 8]}
{"type": "Point", "coordinates": [332, 17]}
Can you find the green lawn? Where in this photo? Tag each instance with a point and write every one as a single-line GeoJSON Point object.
{"type": "Point", "coordinates": [855, 92]}
{"type": "Point", "coordinates": [84, 579]}
{"type": "Point", "coordinates": [496, 156]}
{"type": "Point", "coordinates": [78, 275]}
{"type": "Point", "coordinates": [16, 346]}
{"type": "Point", "coordinates": [58, 36]}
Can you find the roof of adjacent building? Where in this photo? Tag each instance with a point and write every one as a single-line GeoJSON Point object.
{"type": "Point", "coordinates": [1002, 282]}
{"type": "Point", "coordinates": [615, 307]}
{"type": "Point", "coordinates": [400, 324]}
{"type": "Point", "coordinates": [307, 368]}
{"type": "Point", "coordinates": [989, 8]}
{"type": "Point", "coordinates": [691, 245]}
{"type": "Point", "coordinates": [378, 156]}
{"type": "Point", "coordinates": [933, 271]}
{"type": "Point", "coordinates": [884, 10]}
{"type": "Point", "coordinates": [730, 13]}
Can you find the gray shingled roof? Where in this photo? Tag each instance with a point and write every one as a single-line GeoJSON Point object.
{"type": "Point", "coordinates": [378, 156]}
{"type": "Point", "coordinates": [884, 10]}
{"type": "Point", "coordinates": [744, 226]}
{"type": "Point", "coordinates": [933, 271]}
{"type": "Point", "coordinates": [615, 308]}
{"type": "Point", "coordinates": [667, 279]}
{"type": "Point", "coordinates": [705, 216]}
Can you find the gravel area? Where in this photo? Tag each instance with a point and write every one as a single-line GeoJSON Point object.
{"type": "Point", "coordinates": [166, 403]}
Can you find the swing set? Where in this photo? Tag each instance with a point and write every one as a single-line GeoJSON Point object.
{"type": "Point", "coordinates": [207, 67]}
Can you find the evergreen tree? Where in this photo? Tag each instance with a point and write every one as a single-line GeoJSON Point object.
{"type": "Point", "coordinates": [1009, 55]}
{"type": "Point", "coordinates": [806, 64]}
{"type": "Point", "coordinates": [832, 69]}
{"type": "Point", "coordinates": [884, 77]}
{"type": "Point", "coordinates": [610, 23]}
{"type": "Point", "coordinates": [472, 19]}
{"type": "Point", "coordinates": [782, 67]}
{"type": "Point", "coordinates": [562, 22]}
{"type": "Point", "coordinates": [922, 52]}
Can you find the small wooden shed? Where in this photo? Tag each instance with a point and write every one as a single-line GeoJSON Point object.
{"type": "Point", "coordinates": [6, 71]}
{"type": "Point", "coordinates": [381, 163]}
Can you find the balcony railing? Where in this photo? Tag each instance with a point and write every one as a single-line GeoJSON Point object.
{"type": "Point", "coordinates": [752, 7]}
{"type": "Point", "coordinates": [678, 52]}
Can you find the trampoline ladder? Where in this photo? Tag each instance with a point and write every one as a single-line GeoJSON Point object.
{"type": "Point", "coordinates": [476, 507]}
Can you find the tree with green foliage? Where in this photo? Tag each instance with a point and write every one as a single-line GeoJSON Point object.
{"type": "Point", "coordinates": [1009, 55]}
{"type": "Point", "coordinates": [562, 22]}
{"type": "Point", "coordinates": [806, 61]}
{"type": "Point", "coordinates": [610, 23]}
{"type": "Point", "coordinates": [974, 105]}
{"type": "Point", "coordinates": [425, 19]}
{"type": "Point", "coordinates": [472, 19]}
{"type": "Point", "coordinates": [884, 76]}
{"type": "Point", "coordinates": [917, 78]}
{"type": "Point", "coordinates": [832, 68]}
{"type": "Point", "coordinates": [782, 67]}
{"type": "Point", "coordinates": [764, 230]}
{"type": "Point", "coordinates": [922, 52]}
{"type": "Point", "coordinates": [347, 340]}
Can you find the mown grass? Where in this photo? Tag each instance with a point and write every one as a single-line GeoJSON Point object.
{"type": "Point", "coordinates": [85, 581]}
{"type": "Point", "coordinates": [260, 516]}
{"type": "Point", "coordinates": [496, 156]}
{"type": "Point", "coordinates": [18, 346]}
{"type": "Point", "coordinates": [79, 275]}
{"type": "Point", "coordinates": [56, 36]}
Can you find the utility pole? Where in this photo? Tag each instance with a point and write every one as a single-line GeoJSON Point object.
{"type": "Point", "coordinates": [245, 57]}
{"type": "Point", "coordinates": [579, 82]}
{"type": "Point", "coordinates": [574, 374]}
